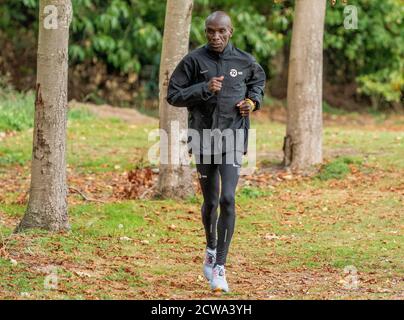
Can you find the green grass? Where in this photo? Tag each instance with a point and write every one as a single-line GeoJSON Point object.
{"type": "Point", "coordinates": [137, 249]}
{"type": "Point", "coordinates": [338, 168]}
{"type": "Point", "coordinates": [17, 111]}
{"type": "Point", "coordinates": [115, 219]}
{"type": "Point", "coordinates": [317, 239]}
{"type": "Point", "coordinates": [13, 210]}
{"type": "Point", "coordinates": [384, 148]}
{"type": "Point", "coordinates": [80, 114]}
{"type": "Point", "coordinates": [102, 145]}
{"type": "Point", "coordinates": [332, 110]}
{"type": "Point", "coordinates": [93, 145]}
{"type": "Point", "coordinates": [251, 193]}
{"type": "Point", "coordinates": [107, 145]}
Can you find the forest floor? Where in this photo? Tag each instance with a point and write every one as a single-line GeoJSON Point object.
{"type": "Point", "coordinates": [336, 234]}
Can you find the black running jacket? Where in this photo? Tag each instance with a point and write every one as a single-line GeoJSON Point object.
{"type": "Point", "coordinates": [188, 87]}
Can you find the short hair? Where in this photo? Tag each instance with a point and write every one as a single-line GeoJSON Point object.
{"type": "Point", "coordinates": [218, 15]}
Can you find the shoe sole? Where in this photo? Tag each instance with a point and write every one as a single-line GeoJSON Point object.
{"type": "Point", "coordinates": [219, 290]}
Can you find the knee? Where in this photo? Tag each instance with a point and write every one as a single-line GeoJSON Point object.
{"type": "Point", "coordinates": [227, 200]}
{"type": "Point", "coordinates": [210, 205]}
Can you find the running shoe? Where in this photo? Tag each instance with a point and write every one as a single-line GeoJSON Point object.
{"type": "Point", "coordinates": [209, 262]}
{"type": "Point", "coordinates": [219, 282]}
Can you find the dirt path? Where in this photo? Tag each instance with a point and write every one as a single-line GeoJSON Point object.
{"type": "Point", "coordinates": [131, 116]}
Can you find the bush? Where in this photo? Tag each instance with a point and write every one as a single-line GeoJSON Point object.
{"type": "Point", "coordinates": [125, 36]}
{"type": "Point", "coordinates": [371, 55]}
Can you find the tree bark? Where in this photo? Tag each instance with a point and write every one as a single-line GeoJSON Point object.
{"type": "Point", "coordinates": [47, 206]}
{"type": "Point", "coordinates": [175, 180]}
{"type": "Point", "coordinates": [303, 141]}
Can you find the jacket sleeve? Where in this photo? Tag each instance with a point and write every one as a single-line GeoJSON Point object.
{"type": "Point", "coordinates": [256, 84]}
{"type": "Point", "coordinates": [182, 89]}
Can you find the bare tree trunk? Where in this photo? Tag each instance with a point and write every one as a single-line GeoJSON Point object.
{"type": "Point", "coordinates": [47, 207]}
{"type": "Point", "coordinates": [175, 179]}
{"type": "Point", "coordinates": [303, 141]}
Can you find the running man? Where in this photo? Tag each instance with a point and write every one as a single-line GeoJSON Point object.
{"type": "Point", "coordinates": [220, 85]}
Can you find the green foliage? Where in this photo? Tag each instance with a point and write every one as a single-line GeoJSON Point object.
{"type": "Point", "coordinates": [127, 36]}
{"type": "Point", "coordinates": [267, 38]}
{"type": "Point", "coordinates": [386, 84]}
{"type": "Point", "coordinates": [373, 54]}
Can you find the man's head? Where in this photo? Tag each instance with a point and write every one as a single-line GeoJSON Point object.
{"type": "Point", "coordinates": [218, 30]}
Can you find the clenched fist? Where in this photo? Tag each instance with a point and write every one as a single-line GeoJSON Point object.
{"type": "Point", "coordinates": [246, 106]}
{"type": "Point", "coordinates": [215, 84]}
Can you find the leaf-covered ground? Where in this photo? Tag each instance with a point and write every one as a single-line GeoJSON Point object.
{"type": "Point", "coordinates": [337, 234]}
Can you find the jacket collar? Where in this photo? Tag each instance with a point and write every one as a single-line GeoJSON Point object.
{"type": "Point", "coordinates": [226, 52]}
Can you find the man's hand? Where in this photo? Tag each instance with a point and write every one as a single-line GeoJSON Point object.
{"type": "Point", "coordinates": [246, 106]}
{"type": "Point", "coordinates": [215, 84]}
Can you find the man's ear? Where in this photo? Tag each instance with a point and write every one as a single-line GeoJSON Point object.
{"type": "Point", "coordinates": [231, 32]}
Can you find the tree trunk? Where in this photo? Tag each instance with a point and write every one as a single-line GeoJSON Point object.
{"type": "Point", "coordinates": [175, 180]}
{"type": "Point", "coordinates": [47, 206]}
{"type": "Point", "coordinates": [303, 141]}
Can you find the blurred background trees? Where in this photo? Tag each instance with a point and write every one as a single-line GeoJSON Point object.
{"type": "Point", "coordinates": [115, 48]}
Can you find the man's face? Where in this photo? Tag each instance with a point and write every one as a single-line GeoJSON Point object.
{"type": "Point", "coordinates": [218, 33]}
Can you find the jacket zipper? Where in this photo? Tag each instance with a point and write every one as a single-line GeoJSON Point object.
{"type": "Point", "coordinates": [218, 94]}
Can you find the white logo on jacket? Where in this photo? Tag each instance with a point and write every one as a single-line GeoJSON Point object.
{"type": "Point", "coordinates": [233, 73]}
